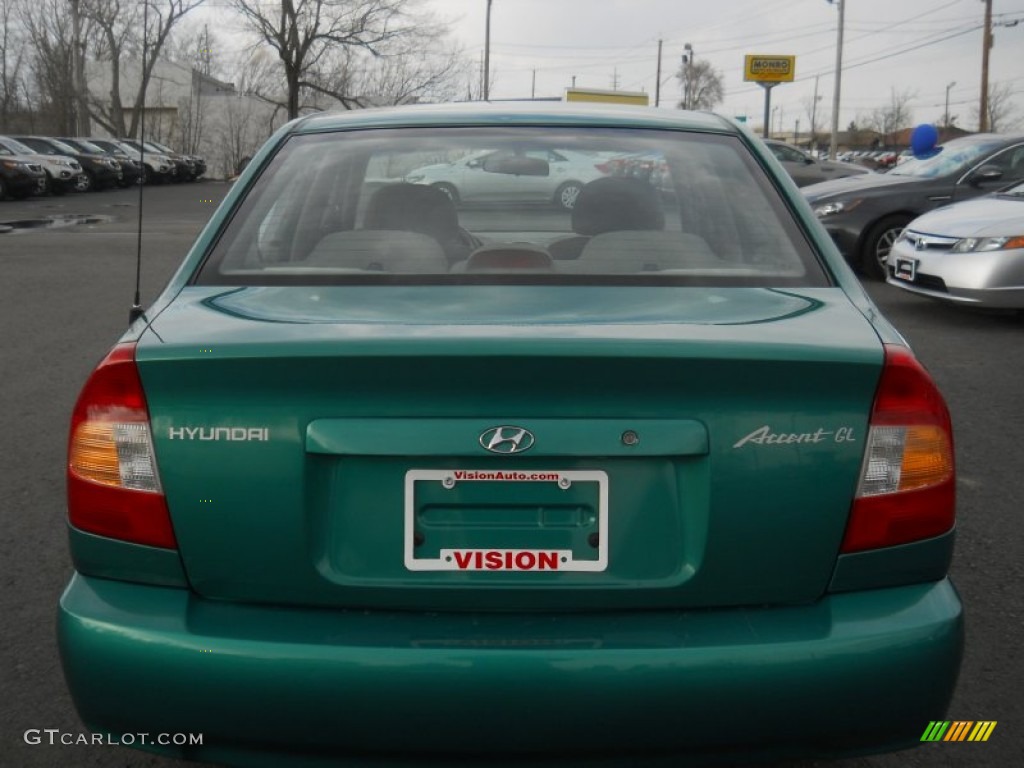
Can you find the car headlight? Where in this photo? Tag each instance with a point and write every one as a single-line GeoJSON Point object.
{"type": "Point", "coordinates": [984, 244]}
{"type": "Point", "coordinates": [67, 163]}
{"type": "Point", "coordinates": [833, 207]}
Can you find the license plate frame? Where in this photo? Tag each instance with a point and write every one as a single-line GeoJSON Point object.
{"type": "Point", "coordinates": [906, 269]}
{"type": "Point", "coordinates": [449, 478]}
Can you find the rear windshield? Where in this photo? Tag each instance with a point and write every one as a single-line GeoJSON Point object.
{"type": "Point", "coordinates": [523, 205]}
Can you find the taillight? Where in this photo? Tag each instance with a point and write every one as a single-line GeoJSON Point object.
{"type": "Point", "coordinates": [113, 485]}
{"type": "Point", "coordinates": [907, 483]}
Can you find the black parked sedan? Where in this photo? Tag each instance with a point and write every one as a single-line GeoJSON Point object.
{"type": "Point", "coordinates": [865, 214]}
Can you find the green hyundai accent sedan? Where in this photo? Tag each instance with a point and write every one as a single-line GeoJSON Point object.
{"type": "Point", "coordinates": [399, 474]}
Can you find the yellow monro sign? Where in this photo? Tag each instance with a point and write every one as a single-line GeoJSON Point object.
{"type": "Point", "coordinates": [769, 69]}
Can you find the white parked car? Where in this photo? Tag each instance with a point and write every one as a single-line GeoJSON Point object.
{"type": "Point", "coordinates": [472, 178]}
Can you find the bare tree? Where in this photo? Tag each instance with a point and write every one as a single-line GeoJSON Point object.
{"type": "Point", "coordinates": [117, 22]}
{"type": "Point", "coordinates": [1002, 112]}
{"type": "Point", "coordinates": [48, 29]}
{"type": "Point", "coordinates": [316, 40]}
{"type": "Point", "coordinates": [701, 84]}
{"type": "Point", "coordinates": [894, 117]}
{"type": "Point", "coordinates": [396, 75]}
{"type": "Point", "coordinates": [810, 104]}
{"type": "Point", "coordinates": [195, 47]}
{"type": "Point", "coordinates": [122, 31]}
{"type": "Point", "coordinates": [12, 57]}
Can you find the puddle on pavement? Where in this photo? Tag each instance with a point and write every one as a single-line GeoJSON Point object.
{"type": "Point", "coordinates": [56, 221]}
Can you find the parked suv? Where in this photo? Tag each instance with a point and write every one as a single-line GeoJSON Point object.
{"type": "Point", "coordinates": [183, 168]}
{"type": "Point", "coordinates": [195, 163]}
{"type": "Point", "coordinates": [98, 172]}
{"type": "Point", "coordinates": [20, 175]}
{"type": "Point", "coordinates": [156, 168]}
{"type": "Point", "coordinates": [131, 170]}
{"type": "Point", "coordinates": [865, 214]}
{"type": "Point", "coordinates": [62, 172]}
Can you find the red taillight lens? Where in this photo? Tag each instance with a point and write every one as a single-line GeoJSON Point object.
{"type": "Point", "coordinates": [907, 488]}
{"type": "Point", "coordinates": [113, 485]}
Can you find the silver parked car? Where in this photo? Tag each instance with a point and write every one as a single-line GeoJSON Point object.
{"type": "Point", "coordinates": [804, 169]}
{"type": "Point", "coordinates": [486, 176]}
{"type": "Point", "coordinates": [968, 253]}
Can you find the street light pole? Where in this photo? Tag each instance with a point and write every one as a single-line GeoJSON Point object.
{"type": "Point", "coordinates": [487, 55]}
{"type": "Point", "coordinates": [839, 76]}
{"type": "Point", "coordinates": [947, 103]}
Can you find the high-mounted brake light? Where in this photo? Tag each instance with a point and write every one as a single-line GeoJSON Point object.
{"type": "Point", "coordinates": [113, 484]}
{"type": "Point", "coordinates": [907, 484]}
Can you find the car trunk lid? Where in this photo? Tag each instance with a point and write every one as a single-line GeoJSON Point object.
{"type": "Point", "coordinates": [371, 447]}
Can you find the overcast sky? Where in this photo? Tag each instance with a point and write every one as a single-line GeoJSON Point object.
{"type": "Point", "coordinates": [912, 46]}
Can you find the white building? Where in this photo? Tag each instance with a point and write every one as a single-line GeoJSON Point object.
{"type": "Point", "coordinates": [188, 111]}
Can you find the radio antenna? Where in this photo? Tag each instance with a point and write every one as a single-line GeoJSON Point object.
{"type": "Point", "coordinates": [137, 311]}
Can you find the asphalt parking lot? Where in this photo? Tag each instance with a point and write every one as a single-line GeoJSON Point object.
{"type": "Point", "coordinates": [65, 291]}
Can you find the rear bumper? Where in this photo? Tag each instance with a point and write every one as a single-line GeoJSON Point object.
{"type": "Point", "coordinates": [855, 672]}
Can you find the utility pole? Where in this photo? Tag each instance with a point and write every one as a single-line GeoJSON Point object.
{"type": "Point", "coordinates": [533, 85]}
{"type": "Point", "coordinates": [615, 78]}
{"type": "Point", "coordinates": [986, 44]}
{"type": "Point", "coordinates": [487, 55]}
{"type": "Point", "coordinates": [814, 111]}
{"type": "Point", "coordinates": [833, 142]}
{"type": "Point", "coordinates": [657, 79]}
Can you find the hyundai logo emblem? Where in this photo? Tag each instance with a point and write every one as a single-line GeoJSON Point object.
{"type": "Point", "coordinates": [507, 439]}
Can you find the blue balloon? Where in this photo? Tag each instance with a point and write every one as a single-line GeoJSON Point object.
{"type": "Point", "coordinates": [923, 141]}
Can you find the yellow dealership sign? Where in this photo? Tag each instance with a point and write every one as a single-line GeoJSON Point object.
{"type": "Point", "coordinates": [607, 97]}
{"type": "Point", "coordinates": [769, 69]}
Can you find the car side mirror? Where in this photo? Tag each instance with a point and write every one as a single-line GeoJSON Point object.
{"type": "Point", "coordinates": [985, 173]}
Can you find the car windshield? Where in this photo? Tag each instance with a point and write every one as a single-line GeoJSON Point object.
{"type": "Point", "coordinates": [89, 147]}
{"type": "Point", "coordinates": [62, 147]}
{"type": "Point", "coordinates": [525, 205]}
{"type": "Point", "coordinates": [953, 157]}
{"type": "Point", "coordinates": [17, 147]}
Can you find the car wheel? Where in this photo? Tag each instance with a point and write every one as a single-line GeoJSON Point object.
{"type": "Point", "coordinates": [566, 195]}
{"type": "Point", "coordinates": [85, 182]}
{"type": "Point", "coordinates": [879, 242]}
{"type": "Point", "coordinates": [450, 192]}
